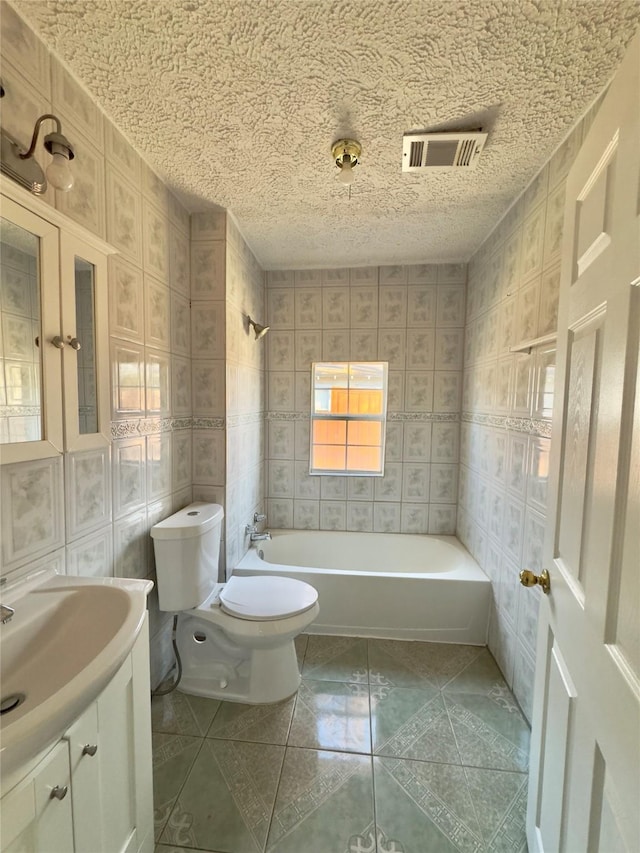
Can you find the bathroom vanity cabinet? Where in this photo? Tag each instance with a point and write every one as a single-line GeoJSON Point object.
{"type": "Point", "coordinates": [54, 345]}
{"type": "Point", "coordinates": [92, 792]}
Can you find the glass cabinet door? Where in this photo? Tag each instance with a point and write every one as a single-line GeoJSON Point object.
{"type": "Point", "coordinates": [30, 370]}
{"type": "Point", "coordinates": [54, 333]}
{"type": "Point", "coordinates": [85, 331]}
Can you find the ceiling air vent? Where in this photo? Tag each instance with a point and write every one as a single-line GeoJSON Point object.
{"type": "Point", "coordinates": [441, 150]}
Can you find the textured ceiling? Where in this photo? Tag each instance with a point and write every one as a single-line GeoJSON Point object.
{"type": "Point", "coordinates": [237, 102]}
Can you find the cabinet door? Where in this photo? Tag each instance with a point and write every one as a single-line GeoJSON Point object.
{"type": "Point", "coordinates": [85, 331]}
{"type": "Point", "coordinates": [30, 361]}
{"type": "Point", "coordinates": [85, 756]}
{"type": "Point", "coordinates": [51, 830]}
{"type": "Point", "coordinates": [117, 763]}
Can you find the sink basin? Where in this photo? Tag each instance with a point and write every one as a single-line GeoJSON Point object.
{"type": "Point", "coordinates": [66, 640]}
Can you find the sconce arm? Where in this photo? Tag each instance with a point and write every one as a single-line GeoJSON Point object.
{"type": "Point", "coordinates": [36, 131]}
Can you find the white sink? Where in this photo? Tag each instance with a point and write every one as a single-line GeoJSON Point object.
{"type": "Point", "coordinates": [67, 638]}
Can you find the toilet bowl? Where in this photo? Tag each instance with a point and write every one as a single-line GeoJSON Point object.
{"type": "Point", "coordinates": [235, 640]}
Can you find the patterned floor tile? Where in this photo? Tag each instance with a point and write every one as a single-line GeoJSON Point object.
{"type": "Point", "coordinates": [331, 715]}
{"type": "Point", "coordinates": [336, 659]}
{"type": "Point", "coordinates": [181, 714]}
{"type": "Point", "coordinates": [480, 676]}
{"type": "Point", "coordinates": [173, 756]}
{"type": "Point", "coordinates": [500, 801]}
{"type": "Point", "coordinates": [424, 807]}
{"type": "Point", "coordinates": [490, 731]}
{"type": "Point", "coordinates": [227, 800]}
{"type": "Point", "coordinates": [406, 664]}
{"type": "Point", "coordinates": [410, 723]}
{"type": "Point", "coordinates": [257, 723]}
{"type": "Point", "coordinates": [324, 804]}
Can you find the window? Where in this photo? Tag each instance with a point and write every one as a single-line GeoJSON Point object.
{"type": "Point", "coordinates": [348, 415]}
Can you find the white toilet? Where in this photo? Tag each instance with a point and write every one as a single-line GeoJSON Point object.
{"type": "Point", "coordinates": [235, 639]}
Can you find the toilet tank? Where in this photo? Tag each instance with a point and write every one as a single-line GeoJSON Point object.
{"type": "Point", "coordinates": [186, 546]}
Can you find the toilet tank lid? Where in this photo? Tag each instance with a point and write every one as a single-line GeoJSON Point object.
{"type": "Point", "coordinates": [191, 521]}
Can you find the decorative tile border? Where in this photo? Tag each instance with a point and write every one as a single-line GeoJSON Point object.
{"type": "Point", "coordinates": [20, 411]}
{"type": "Point", "coordinates": [449, 417]}
{"type": "Point", "coordinates": [531, 426]}
{"type": "Point", "coordinates": [433, 417]}
{"type": "Point", "coordinates": [208, 423]}
{"type": "Point", "coordinates": [152, 426]}
{"type": "Point", "coordinates": [244, 419]}
{"type": "Point", "coordinates": [287, 416]}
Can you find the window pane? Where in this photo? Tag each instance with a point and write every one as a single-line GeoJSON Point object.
{"type": "Point", "coordinates": [365, 433]}
{"type": "Point", "coordinates": [328, 457]}
{"type": "Point", "coordinates": [329, 432]}
{"type": "Point", "coordinates": [366, 375]}
{"type": "Point", "coordinates": [330, 375]}
{"type": "Point", "coordinates": [363, 402]}
{"type": "Point", "coordinates": [364, 459]}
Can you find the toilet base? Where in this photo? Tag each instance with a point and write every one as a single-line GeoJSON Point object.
{"type": "Point", "coordinates": [212, 668]}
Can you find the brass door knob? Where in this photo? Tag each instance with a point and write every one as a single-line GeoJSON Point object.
{"type": "Point", "coordinates": [527, 578]}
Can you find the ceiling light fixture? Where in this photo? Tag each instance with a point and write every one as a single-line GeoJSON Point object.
{"type": "Point", "coordinates": [346, 153]}
{"type": "Point", "coordinates": [21, 166]}
{"type": "Point", "coordinates": [260, 331]}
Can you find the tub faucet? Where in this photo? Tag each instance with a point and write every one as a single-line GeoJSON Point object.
{"type": "Point", "coordinates": [259, 537]}
{"type": "Point", "coordinates": [252, 531]}
{"type": "Point", "coordinates": [7, 612]}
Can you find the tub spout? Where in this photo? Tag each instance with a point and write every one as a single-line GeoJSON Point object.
{"type": "Point", "coordinates": [259, 537]}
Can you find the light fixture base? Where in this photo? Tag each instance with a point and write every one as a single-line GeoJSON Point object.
{"type": "Point", "coordinates": [346, 148]}
{"type": "Point", "coordinates": [27, 173]}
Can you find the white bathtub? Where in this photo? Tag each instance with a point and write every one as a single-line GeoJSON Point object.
{"type": "Point", "coordinates": [391, 585]}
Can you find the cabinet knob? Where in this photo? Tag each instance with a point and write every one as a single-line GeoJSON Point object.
{"type": "Point", "coordinates": [90, 749]}
{"type": "Point", "coordinates": [59, 792]}
{"type": "Point", "coordinates": [57, 342]}
{"type": "Point", "coordinates": [74, 343]}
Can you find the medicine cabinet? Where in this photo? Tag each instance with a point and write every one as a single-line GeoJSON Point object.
{"type": "Point", "coordinates": [54, 346]}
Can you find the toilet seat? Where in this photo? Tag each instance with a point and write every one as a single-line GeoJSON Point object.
{"type": "Point", "coordinates": [265, 598]}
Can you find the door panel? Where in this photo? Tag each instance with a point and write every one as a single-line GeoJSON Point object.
{"type": "Point", "coordinates": [584, 781]}
{"type": "Point", "coordinates": [560, 693]}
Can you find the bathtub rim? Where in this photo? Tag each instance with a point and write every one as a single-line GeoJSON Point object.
{"type": "Point", "coordinates": [469, 571]}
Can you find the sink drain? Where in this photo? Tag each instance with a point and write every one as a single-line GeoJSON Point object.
{"type": "Point", "coordinates": [9, 703]}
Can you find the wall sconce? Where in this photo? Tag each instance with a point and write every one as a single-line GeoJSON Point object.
{"type": "Point", "coordinates": [346, 153]}
{"type": "Point", "coordinates": [21, 166]}
{"type": "Point", "coordinates": [260, 331]}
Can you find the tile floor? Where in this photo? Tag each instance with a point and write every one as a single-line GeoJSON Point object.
{"type": "Point", "coordinates": [388, 747]}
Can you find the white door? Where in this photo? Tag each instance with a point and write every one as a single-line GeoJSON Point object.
{"type": "Point", "coordinates": [585, 764]}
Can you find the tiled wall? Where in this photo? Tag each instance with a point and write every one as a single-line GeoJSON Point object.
{"type": "Point", "coordinates": [506, 409]}
{"type": "Point", "coordinates": [412, 317]}
{"type": "Point", "coordinates": [227, 286]}
{"type": "Point", "coordinates": [246, 362]}
{"type": "Point", "coordinates": [89, 513]}
{"type": "Point", "coordinates": [206, 380]}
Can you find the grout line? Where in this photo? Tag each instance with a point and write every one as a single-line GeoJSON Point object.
{"type": "Point", "coordinates": [217, 711]}
{"type": "Point", "coordinates": [373, 775]}
{"type": "Point", "coordinates": [184, 782]}
{"type": "Point", "coordinates": [275, 799]}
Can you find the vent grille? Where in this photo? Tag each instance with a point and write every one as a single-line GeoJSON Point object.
{"type": "Point", "coordinates": [442, 151]}
{"type": "Point", "coordinates": [417, 150]}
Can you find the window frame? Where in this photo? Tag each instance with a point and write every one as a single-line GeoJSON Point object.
{"type": "Point", "coordinates": [346, 418]}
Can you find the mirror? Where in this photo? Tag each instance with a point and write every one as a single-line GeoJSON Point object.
{"type": "Point", "coordinates": [84, 274]}
{"type": "Point", "coordinates": [20, 359]}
